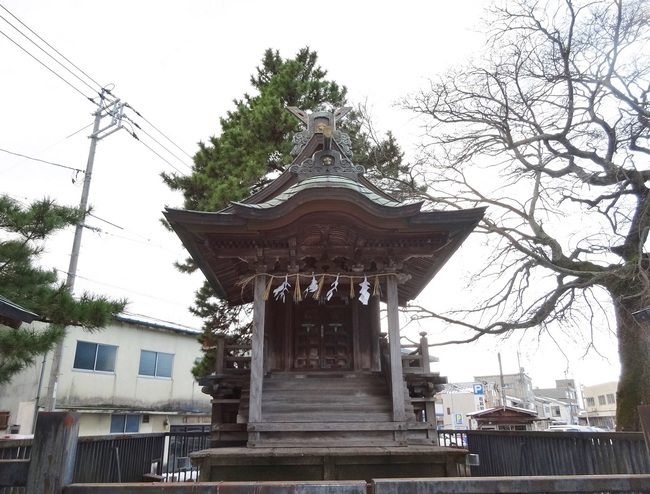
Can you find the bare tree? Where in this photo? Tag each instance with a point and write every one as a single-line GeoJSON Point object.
{"type": "Point", "coordinates": [555, 113]}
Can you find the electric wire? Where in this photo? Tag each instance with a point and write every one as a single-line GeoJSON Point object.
{"type": "Point", "coordinates": [75, 133]}
{"type": "Point", "coordinates": [94, 89]}
{"type": "Point", "coordinates": [156, 141]}
{"type": "Point", "coordinates": [133, 134]}
{"type": "Point", "coordinates": [101, 93]}
{"type": "Point", "coordinates": [43, 161]}
{"type": "Point", "coordinates": [125, 290]}
{"type": "Point", "coordinates": [159, 131]}
{"type": "Point", "coordinates": [144, 240]}
{"type": "Point", "coordinates": [48, 68]}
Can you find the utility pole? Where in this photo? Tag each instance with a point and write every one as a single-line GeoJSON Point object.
{"type": "Point", "coordinates": [116, 113]}
{"type": "Point", "coordinates": [503, 391]}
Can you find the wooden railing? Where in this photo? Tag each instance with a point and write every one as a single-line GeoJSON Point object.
{"type": "Point", "coordinates": [231, 358]}
{"type": "Point", "coordinates": [558, 453]}
{"type": "Point", "coordinates": [416, 360]}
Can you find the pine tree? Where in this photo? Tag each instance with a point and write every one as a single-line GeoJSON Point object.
{"type": "Point", "coordinates": [23, 231]}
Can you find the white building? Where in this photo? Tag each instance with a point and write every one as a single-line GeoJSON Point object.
{"type": "Point", "coordinates": [600, 405]}
{"type": "Point", "coordinates": [517, 389]}
{"type": "Point", "coordinates": [552, 411]}
{"type": "Point", "coordinates": [132, 376]}
{"type": "Point", "coordinates": [457, 400]}
{"type": "Point", "coordinates": [564, 391]}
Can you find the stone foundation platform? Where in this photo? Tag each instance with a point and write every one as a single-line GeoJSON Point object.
{"type": "Point", "coordinates": [305, 464]}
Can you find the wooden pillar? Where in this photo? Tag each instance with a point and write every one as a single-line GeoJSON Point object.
{"type": "Point", "coordinates": [356, 347]}
{"type": "Point", "coordinates": [375, 333]}
{"type": "Point", "coordinates": [220, 354]}
{"type": "Point", "coordinates": [424, 351]}
{"type": "Point", "coordinates": [395, 350]}
{"type": "Point", "coordinates": [257, 353]}
{"type": "Point", "coordinates": [287, 336]}
{"type": "Point", "coordinates": [51, 464]}
{"type": "Point", "coordinates": [644, 416]}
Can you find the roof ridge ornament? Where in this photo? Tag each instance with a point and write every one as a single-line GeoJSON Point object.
{"type": "Point", "coordinates": [329, 160]}
{"type": "Point", "coordinates": [322, 123]}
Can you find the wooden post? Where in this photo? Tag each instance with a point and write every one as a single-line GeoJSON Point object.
{"type": "Point", "coordinates": [220, 354]}
{"type": "Point", "coordinates": [376, 333]}
{"type": "Point", "coordinates": [644, 416]}
{"type": "Point", "coordinates": [424, 351]}
{"type": "Point", "coordinates": [51, 465]}
{"type": "Point", "coordinates": [395, 349]}
{"type": "Point", "coordinates": [257, 354]}
{"type": "Point", "coordinates": [356, 353]}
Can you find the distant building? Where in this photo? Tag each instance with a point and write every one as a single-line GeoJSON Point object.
{"type": "Point", "coordinates": [505, 418]}
{"type": "Point", "coordinates": [132, 376]}
{"type": "Point", "coordinates": [457, 400]}
{"type": "Point", "coordinates": [600, 405]}
{"type": "Point", "coordinates": [565, 392]}
{"type": "Point", "coordinates": [552, 411]}
{"type": "Point", "coordinates": [517, 389]}
{"type": "Point", "coordinates": [459, 405]}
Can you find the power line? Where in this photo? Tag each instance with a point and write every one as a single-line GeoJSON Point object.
{"type": "Point", "coordinates": [145, 240]}
{"type": "Point", "coordinates": [75, 133]}
{"type": "Point", "coordinates": [42, 161]}
{"type": "Point", "coordinates": [122, 289]}
{"type": "Point", "coordinates": [159, 131]}
{"type": "Point", "coordinates": [94, 89]}
{"type": "Point", "coordinates": [103, 91]}
{"type": "Point", "coordinates": [157, 142]}
{"type": "Point", "coordinates": [133, 134]}
{"type": "Point", "coordinates": [48, 68]}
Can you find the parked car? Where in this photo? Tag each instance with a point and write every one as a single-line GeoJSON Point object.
{"type": "Point", "coordinates": [575, 428]}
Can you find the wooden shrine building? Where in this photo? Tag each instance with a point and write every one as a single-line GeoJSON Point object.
{"type": "Point", "coordinates": [322, 394]}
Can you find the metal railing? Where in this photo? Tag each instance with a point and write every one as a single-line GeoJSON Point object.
{"type": "Point", "coordinates": [180, 442]}
{"type": "Point", "coordinates": [160, 457]}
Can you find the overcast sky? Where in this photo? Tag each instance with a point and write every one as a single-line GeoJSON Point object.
{"type": "Point", "coordinates": [180, 65]}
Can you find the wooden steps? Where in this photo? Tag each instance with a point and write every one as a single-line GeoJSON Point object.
{"type": "Point", "coordinates": [326, 409]}
{"type": "Point", "coordinates": [326, 398]}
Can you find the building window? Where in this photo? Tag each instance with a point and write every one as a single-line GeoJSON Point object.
{"type": "Point", "coordinates": [122, 424]}
{"type": "Point", "coordinates": [448, 411]}
{"type": "Point", "coordinates": [601, 399]}
{"type": "Point", "coordinates": [556, 411]}
{"type": "Point", "coordinates": [155, 364]}
{"type": "Point", "coordinates": [611, 399]}
{"type": "Point", "coordinates": [591, 402]}
{"type": "Point", "coordinates": [95, 357]}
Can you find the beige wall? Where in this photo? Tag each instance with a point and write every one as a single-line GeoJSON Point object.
{"type": "Point", "coordinates": [124, 388]}
{"type": "Point", "coordinates": [599, 414]}
{"type": "Point", "coordinates": [98, 395]}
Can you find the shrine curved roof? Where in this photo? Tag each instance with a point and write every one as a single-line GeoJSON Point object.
{"type": "Point", "coordinates": [321, 213]}
{"type": "Point", "coordinates": [323, 181]}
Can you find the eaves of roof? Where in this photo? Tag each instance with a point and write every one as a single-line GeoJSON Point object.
{"type": "Point", "coordinates": [13, 311]}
